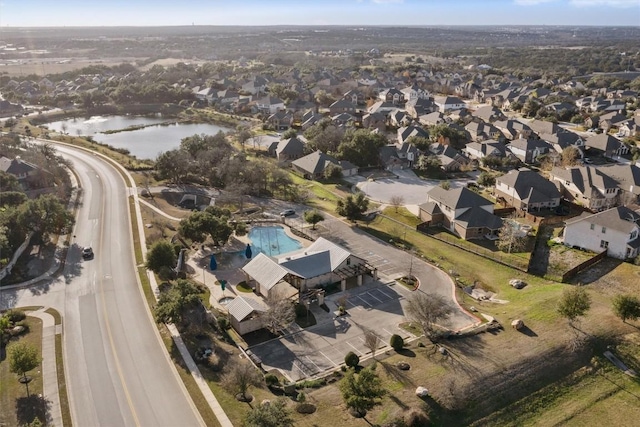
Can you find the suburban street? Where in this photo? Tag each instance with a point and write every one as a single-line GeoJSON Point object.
{"type": "Point", "coordinates": [117, 370]}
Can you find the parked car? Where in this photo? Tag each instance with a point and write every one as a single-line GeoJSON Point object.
{"type": "Point", "coordinates": [87, 252]}
{"type": "Point", "coordinates": [287, 212]}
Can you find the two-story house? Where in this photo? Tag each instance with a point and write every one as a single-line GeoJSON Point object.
{"type": "Point", "coordinates": [607, 145]}
{"type": "Point", "coordinates": [527, 190]}
{"type": "Point", "coordinates": [616, 230]}
{"type": "Point", "coordinates": [586, 186]}
{"type": "Point", "coordinates": [528, 150]}
{"type": "Point", "coordinates": [449, 103]}
{"type": "Point", "coordinates": [461, 211]}
{"type": "Point", "coordinates": [479, 150]}
{"type": "Point", "coordinates": [391, 95]}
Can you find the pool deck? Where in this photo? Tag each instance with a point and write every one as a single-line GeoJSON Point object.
{"type": "Point", "coordinates": [199, 262]}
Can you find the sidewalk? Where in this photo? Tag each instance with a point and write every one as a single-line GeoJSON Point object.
{"type": "Point", "coordinates": [49, 367]}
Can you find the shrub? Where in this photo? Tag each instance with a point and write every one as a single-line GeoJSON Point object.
{"type": "Point", "coordinates": [223, 323]}
{"type": "Point", "coordinates": [351, 359]}
{"type": "Point", "coordinates": [396, 342]}
{"type": "Point", "coordinates": [165, 273]}
{"type": "Point", "coordinates": [15, 315]}
{"type": "Point", "coordinates": [305, 408]}
{"type": "Point", "coordinates": [271, 380]}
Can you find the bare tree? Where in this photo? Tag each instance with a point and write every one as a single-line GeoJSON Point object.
{"type": "Point", "coordinates": [428, 310]}
{"type": "Point", "coordinates": [510, 237]}
{"type": "Point", "coordinates": [397, 201]}
{"type": "Point", "coordinates": [371, 341]}
{"type": "Point", "coordinates": [240, 378]}
{"type": "Point", "coordinates": [280, 314]}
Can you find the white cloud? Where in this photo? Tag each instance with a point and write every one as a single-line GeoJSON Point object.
{"type": "Point", "coordinates": [614, 3]}
{"type": "Point", "coordinates": [387, 1]}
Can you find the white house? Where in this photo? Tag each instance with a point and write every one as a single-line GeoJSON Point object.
{"type": "Point", "coordinates": [449, 103]}
{"type": "Point", "coordinates": [615, 230]}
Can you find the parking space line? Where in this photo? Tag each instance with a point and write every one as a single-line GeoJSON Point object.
{"type": "Point", "coordinates": [365, 301]}
{"type": "Point", "coordinates": [354, 306]}
{"type": "Point", "coordinates": [314, 364]}
{"type": "Point", "coordinates": [353, 347]}
{"type": "Point", "coordinates": [383, 294]}
{"type": "Point", "coordinates": [390, 296]}
{"type": "Point", "coordinates": [327, 357]}
{"type": "Point", "coordinates": [374, 297]}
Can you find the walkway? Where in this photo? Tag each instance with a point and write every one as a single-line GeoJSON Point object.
{"type": "Point", "coordinates": [49, 367]}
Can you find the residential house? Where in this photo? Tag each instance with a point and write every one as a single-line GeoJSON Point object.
{"type": "Point", "coordinates": [207, 95]}
{"type": "Point", "coordinates": [446, 104]}
{"type": "Point", "coordinates": [488, 114]}
{"type": "Point", "coordinates": [313, 165]}
{"type": "Point", "coordinates": [479, 131]}
{"type": "Point", "coordinates": [29, 176]}
{"type": "Point", "coordinates": [420, 106]}
{"type": "Point", "coordinates": [630, 128]}
{"type": "Point", "coordinates": [342, 106]}
{"type": "Point", "coordinates": [354, 96]}
{"type": "Point", "coordinates": [280, 120]}
{"type": "Point", "coordinates": [290, 149]}
{"type": "Point", "coordinates": [461, 211]}
{"type": "Point", "coordinates": [320, 264]}
{"type": "Point", "coordinates": [451, 160]}
{"type": "Point", "coordinates": [628, 179]}
{"type": "Point", "coordinates": [309, 119]}
{"type": "Point", "coordinates": [269, 105]}
{"type": "Point", "coordinates": [527, 190]}
{"type": "Point", "coordinates": [542, 126]}
{"type": "Point", "coordinates": [391, 95]}
{"type": "Point", "coordinates": [344, 119]}
{"type": "Point", "coordinates": [614, 230]}
{"type": "Point", "coordinates": [611, 120]}
{"type": "Point", "coordinates": [528, 150]}
{"type": "Point", "coordinates": [404, 133]}
{"type": "Point", "coordinates": [562, 140]}
{"type": "Point", "coordinates": [587, 186]}
{"type": "Point", "coordinates": [390, 158]}
{"type": "Point", "coordinates": [561, 108]}
{"type": "Point", "coordinates": [414, 92]}
{"type": "Point", "coordinates": [255, 86]}
{"type": "Point", "coordinates": [374, 121]}
{"type": "Point", "coordinates": [607, 145]}
{"type": "Point", "coordinates": [433, 119]}
{"type": "Point", "coordinates": [481, 149]}
{"type": "Point", "coordinates": [382, 107]}
{"type": "Point", "coordinates": [513, 129]}
{"type": "Point", "coordinates": [399, 118]}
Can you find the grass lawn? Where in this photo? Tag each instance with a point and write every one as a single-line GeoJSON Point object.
{"type": "Point", "coordinates": [325, 197]}
{"type": "Point", "coordinates": [17, 408]}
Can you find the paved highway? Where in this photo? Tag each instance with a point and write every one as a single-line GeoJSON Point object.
{"type": "Point", "coordinates": [117, 371]}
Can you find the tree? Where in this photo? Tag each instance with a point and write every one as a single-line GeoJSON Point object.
{"type": "Point", "coordinates": [161, 255]}
{"type": "Point", "coordinates": [371, 341]}
{"type": "Point", "coordinates": [243, 135]}
{"type": "Point", "coordinates": [570, 155]}
{"type": "Point", "coordinates": [486, 179]}
{"type": "Point", "coordinates": [396, 342]}
{"type": "Point", "coordinates": [351, 359]}
{"type": "Point", "coordinates": [270, 414]}
{"type": "Point", "coordinates": [173, 303]}
{"type": "Point", "coordinates": [361, 147]}
{"type": "Point", "coordinates": [352, 207]}
{"type": "Point", "coordinates": [46, 214]}
{"type": "Point", "coordinates": [446, 185]}
{"type": "Point", "coordinates": [173, 165]}
{"type": "Point", "coordinates": [574, 303]}
{"type": "Point", "coordinates": [240, 378]}
{"type": "Point", "coordinates": [510, 238]}
{"type": "Point", "coordinates": [290, 133]}
{"type": "Point", "coordinates": [626, 307]}
{"type": "Point", "coordinates": [332, 171]}
{"type": "Point", "coordinates": [9, 182]}
{"type": "Point", "coordinates": [23, 358]}
{"type": "Point", "coordinates": [361, 392]}
{"type": "Point", "coordinates": [397, 201]}
{"type": "Point", "coordinates": [427, 311]}
{"type": "Point", "coordinates": [212, 222]}
{"type": "Point", "coordinates": [313, 217]}
{"type": "Point", "coordinates": [279, 315]}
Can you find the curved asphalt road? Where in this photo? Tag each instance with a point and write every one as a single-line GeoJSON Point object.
{"type": "Point", "coordinates": [118, 373]}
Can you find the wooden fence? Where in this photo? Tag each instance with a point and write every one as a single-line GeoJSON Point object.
{"type": "Point", "coordinates": [583, 266]}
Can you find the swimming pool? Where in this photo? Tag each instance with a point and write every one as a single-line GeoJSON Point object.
{"type": "Point", "coordinates": [272, 241]}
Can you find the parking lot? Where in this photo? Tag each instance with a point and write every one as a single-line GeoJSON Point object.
{"type": "Point", "coordinates": [304, 353]}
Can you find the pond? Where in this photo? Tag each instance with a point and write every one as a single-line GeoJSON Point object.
{"type": "Point", "coordinates": [145, 143]}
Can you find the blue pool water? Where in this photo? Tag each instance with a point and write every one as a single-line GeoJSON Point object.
{"type": "Point", "coordinates": [272, 241]}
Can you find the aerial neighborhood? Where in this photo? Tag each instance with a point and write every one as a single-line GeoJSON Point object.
{"type": "Point", "coordinates": [340, 219]}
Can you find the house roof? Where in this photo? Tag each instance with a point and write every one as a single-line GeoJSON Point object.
{"type": "Point", "coordinates": [457, 198]}
{"type": "Point", "coordinates": [530, 186]}
{"type": "Point", "coordinates": [585, 177]}
{"type": "Point", "coordinates": [265, 270]}
{"type": "Point", "coordinates": [476, 217]}
{"type": "Point", "coordinates": [16, 166]}
{"type": "Point", "coordinates": [314, 163]}
{"type": "Point", "coordinates": [628, 176]}
{"type": "Point", "coordinates": [528, 144]}
{"type": "Point", "coordinates": [291, 146]}
{"type": "Point", "coordinates": [241, 308]}
{"type": "Point", "coordinates": [431, 208]}
{"type": "Point", "coordinates": [309, 264]}
{"type": "Point", "coordinates": [620, 218]}
{"type": "Point", "coordinates": [603, 142]}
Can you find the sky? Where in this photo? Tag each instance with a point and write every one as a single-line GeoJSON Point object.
{"type": "Point", "coordinates": [39, 13]}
